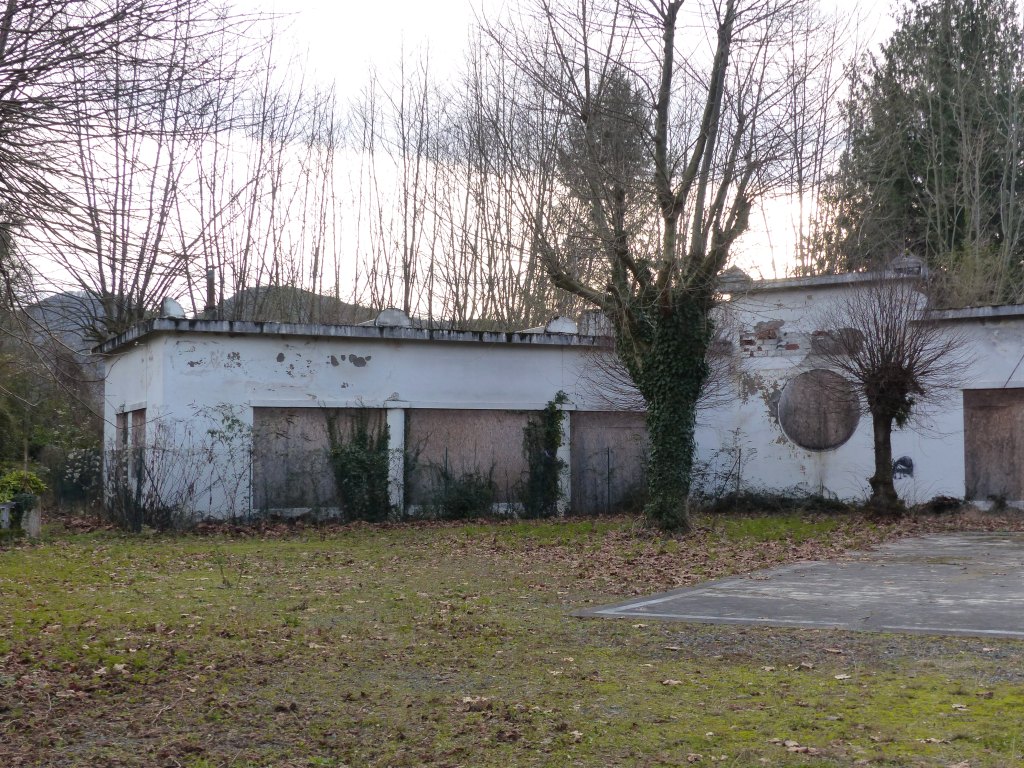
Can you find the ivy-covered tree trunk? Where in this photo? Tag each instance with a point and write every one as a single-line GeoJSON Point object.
{"type": "Point", "coordinates": [642, 198]}
{"type": "Point", "coordinates": [883, 490]}
{"type": "Point", "coordinates": [664, 350]}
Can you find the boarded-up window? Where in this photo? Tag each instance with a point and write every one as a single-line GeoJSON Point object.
{"type": "Point", "coordinates": [488, 443]}
{"type": "Point", "coordinates": [609, 456]}
{"type": "Point", "coordinates": [131, 428]}
{"type": "Point", "coordinates": [818, 410]}
{"type": "Point", "coordinates": [139, 427]}
{"type": "Point", "coordinates": [291, 466]}
{"type": "Point", "coordinates": [994, 444]}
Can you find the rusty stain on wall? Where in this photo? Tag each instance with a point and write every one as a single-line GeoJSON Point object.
{"type": "Point", "coordinates": [749, 385]}
{"type": "Point", "coordinates": [771, 395]}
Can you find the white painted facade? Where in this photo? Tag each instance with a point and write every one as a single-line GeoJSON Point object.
{"type": "Point", "coordinates": [188, 375]}
{"type": "Point", "coordinates": [743, 443]}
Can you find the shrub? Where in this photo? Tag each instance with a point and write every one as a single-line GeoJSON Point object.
{"type": "Point", "coordinates": [462, 497]}
{"type": "Point", "coordinates": [23, 488]}
{"type": "Point", "coordinates": [20, 482]}
{"type": "Point", "coordinates": [542, 437]}
{"type": "Point", "coordinates": [360, 464]}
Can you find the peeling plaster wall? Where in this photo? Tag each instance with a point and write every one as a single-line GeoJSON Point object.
{"type": "Point", "coordinates": [193, 381]}
{"type": "Point", "coordinates": [271, 371]}
{"type": "Point", "coordinates": [196, 382]}
{"type": "Point", "coordinates": [743, 445]}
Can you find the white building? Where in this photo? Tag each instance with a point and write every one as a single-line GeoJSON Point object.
{"type": "Point", "coordinates": [777, 431]}
{"type": "Point", "coordinates": [241, 417]}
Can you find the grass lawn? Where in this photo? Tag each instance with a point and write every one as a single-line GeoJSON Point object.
{"type": "Point", "coordinates": [451, 645]}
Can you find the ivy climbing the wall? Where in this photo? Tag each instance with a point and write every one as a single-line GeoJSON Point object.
{"type": "Point", "coordinates": [359, 460]}
{"type": "Point", "coordinates": [542, 437]}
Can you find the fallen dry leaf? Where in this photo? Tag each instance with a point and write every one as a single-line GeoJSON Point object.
{"type": "Point", "coordinates": [476, 703]}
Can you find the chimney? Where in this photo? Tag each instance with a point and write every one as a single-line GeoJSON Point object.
{"type": "Point", "coordinates": [210, 312]}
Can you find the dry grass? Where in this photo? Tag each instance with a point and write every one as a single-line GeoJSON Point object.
{"type": "Point", "coordinates": [451, 645]}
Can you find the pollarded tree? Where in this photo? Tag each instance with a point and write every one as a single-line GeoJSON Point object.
{"type": "Point", "coordinates": [654, 128]}
{"type": "Point", "coordinates": [897, 357]}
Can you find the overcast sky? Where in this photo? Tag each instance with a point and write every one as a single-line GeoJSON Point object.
{"type": "Point", "coordinates": [343, 39]}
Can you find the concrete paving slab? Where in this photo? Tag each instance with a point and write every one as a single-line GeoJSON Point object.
{"type": "Point", "coordinates": [946, 584]}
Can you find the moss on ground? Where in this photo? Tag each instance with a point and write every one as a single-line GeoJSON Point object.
{"type": "Point", "coordinates": [451, 645]}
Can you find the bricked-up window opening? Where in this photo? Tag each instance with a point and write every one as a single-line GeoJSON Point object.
{"type": "Point", "coordinates": [818, 410]}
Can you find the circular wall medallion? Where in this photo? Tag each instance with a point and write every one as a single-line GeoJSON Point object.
{"type": "Point", "coordinates": [819, 410]}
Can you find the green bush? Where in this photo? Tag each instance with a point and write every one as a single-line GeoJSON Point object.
{"type": "Point", "coordinates": [20, 482]}
{"type": "Point", "coordinates": [23, 488]}
{"type": "Point", "coordinates": [462, 497]}
{"type": "Point", "coordinates": [360, 464]}
{"type": "Point", "coordinates": [542, 437]}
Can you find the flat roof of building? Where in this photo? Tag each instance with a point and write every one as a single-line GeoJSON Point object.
{"type": "Point", "coordinates": [535, 336]}
{"type": "Point", "coordinates": [174, 325]}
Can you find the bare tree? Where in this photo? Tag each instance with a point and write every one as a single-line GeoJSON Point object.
{"type": "Point", "coordinates": [267, 201]}
{"type": "Point", "coordinates": [103, 100]}
{"type": "Point", "coordinates": [883, 342]}
{"type": "Point", "coordinates": [652, 148]}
